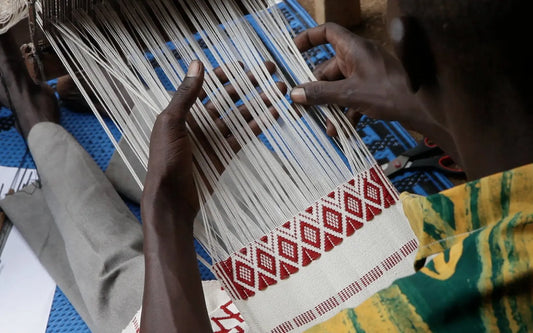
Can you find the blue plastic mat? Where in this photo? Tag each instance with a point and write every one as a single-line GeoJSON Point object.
{"type": "Point", "coordinates": [386, 140]}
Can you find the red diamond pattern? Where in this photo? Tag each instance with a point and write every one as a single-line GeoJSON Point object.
{"type": "Point", "coordinates": [332, 219]}
{"type": "Point", "coordinates": [266, 261]}
{"type": "Point", "coordinates": [310, 234]}
{"type": "Point", "coordinates": [245, 274]}
{"type": "Point", "coordinates": [288, 249]}
{"type": "Point", "coordinates": [302, 240]}
{"type": "Point", "coordinates": [372, 192]}
{"type": "Point", "coordinates": [353, 205]}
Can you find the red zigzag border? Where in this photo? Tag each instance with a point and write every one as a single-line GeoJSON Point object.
{"type": "Point", "coordinates": [302, 240]}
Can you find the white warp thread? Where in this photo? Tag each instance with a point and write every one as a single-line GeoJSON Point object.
{"type": "Point", "coordinates": [261, 189]}
{"type": "Point", "coordinates": [271, 187]}
{"type": "Point", "coordinates": [11, 13]}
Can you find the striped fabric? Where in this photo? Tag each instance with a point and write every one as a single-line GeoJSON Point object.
{"type": "Point", "coordinates": [480, 236]}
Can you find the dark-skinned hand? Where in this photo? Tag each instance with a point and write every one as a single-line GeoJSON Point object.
{"type": "Point", "coordinates": [170, 167]}
{"type": "Point", "coordinates": [173, 300]}
{"type": "Point", "coordinates": [362, 77]}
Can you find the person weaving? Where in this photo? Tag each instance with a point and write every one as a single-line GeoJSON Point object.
{"type": "Point", "coordinates": [74, 219]}
{"type": "Point", "coordinates": [460, 77]}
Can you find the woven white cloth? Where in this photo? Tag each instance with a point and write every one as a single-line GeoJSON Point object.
{"type": "Point", "coordinates": [375, 254]}
{"type": "Point", "coordinates": [371, 260]}
{"type": "Point", "coordinates": [346, 247]}
{"type": "Point", "coordinates": [11, 13]}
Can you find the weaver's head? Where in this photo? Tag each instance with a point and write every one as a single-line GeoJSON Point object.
{"type": "Point", "coordinates": [463, 48]}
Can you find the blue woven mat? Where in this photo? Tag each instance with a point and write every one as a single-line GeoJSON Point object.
{"type": "Point", "coordinates": [386, 140]}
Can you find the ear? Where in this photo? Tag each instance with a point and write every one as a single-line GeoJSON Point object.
{"type": "Point", "coordinates": [413, 49]}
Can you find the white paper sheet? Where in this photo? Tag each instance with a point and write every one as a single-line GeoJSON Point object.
{"type": "Point", "coordinates": [26, 289]}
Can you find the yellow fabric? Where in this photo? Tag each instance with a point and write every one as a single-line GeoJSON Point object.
{"type": "Point", "coordinates": [481, 278]}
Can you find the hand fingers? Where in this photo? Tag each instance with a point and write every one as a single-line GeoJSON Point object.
{"type": "Point", "coordinates": [221, 74]}
{"type": "Point", "coordinates": [329, 33]}
{"type": "Point", "coordinates": [328, 71]}
{"type": "Point", "coordinates": [331, 130]}
{"type": "Point", "coordinates": [187, 92]}
{"type": "Point", "coordinates": [321, 93]}
{"type": "Point", "coordinates": [230, 89]}
{"type": "Point", "coordinates": [223, 77]}
{"type": "Point", "coordinates": [245, 113]}
{"type": "Point", "coordinates": [353, 117]}
{"type": "Point", "coordinates": [282, 87]}
{"type": "Point", "coordinates": [254, 127]}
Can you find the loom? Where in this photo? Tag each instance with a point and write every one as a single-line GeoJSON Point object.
{"type": "Point", "coordinates": [295, 232]}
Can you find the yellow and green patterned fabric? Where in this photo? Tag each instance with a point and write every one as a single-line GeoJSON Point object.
{"type": "Point", "coordinates": [480, 236]}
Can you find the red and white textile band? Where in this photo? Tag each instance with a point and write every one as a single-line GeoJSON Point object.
{"type": "Point", "coordinates": [345, 247]}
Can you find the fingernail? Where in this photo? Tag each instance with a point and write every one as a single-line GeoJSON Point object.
{"type": "Point", "coordinates": [194, 69]}
{"type": "Point", "coordinates": [298, 95]}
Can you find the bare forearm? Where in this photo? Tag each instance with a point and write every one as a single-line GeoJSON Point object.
{"type": "Point", "coordinates": [173, 299]}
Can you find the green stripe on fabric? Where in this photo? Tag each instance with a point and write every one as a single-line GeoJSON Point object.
{"type": "Point", "coordinates": [355, 323]}
{"type": "Point", "coordinates": [513, 261]}
{"type": "Point", "coordinates": [497, 277]}
{"type": "Point", "coordinates": [399, 314]}
{"type": "Point", "coordinates": [509, 241]}
{"type": "Point", "coordinates": [450, 305]}
{"type": "Point", "coordinates": [445, 207]}
{"type": "Point", "coordinates": [516, 314]}
{"type": "Point", "coordinates": [431, 266]}
{"type": "Point", "coordinates": [432, 231]}
{"type": "Point", "coordinates": [474, 203]}
{"type": "Point", "coordinates": [505, 196]}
